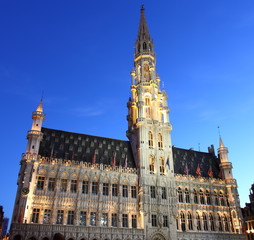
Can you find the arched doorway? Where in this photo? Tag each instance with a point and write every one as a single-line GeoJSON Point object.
{"type": "Point", "coordinates": [158, 236]}
{"type": "Point", "coordinates": [17, 237]}
{"type": "Point", "coordinates": [58, 236]}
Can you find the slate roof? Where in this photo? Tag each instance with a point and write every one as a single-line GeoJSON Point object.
{"type": "Point", "coordinates": [81, 147]}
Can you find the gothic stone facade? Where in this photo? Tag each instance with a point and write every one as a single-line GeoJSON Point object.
{"type": "Point", "coordinates": [75, 186]}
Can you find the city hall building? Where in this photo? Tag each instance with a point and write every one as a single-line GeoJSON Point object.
{"type": "Point", "coordinates": [74, 186]}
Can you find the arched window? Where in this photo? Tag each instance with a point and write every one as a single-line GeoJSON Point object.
{"type": "Point", "coordinates": [198, 222]}
{"type": "Point", "coordinates": [151, 166]}
{"type": "Point", "coordinates": [162, 166]}
{"type": "Point", "coordinates": [144, 46]}
{"type": "Point", "coordinates": [222, 200]}
{"type": "Point", "coordinates": [147, 107]}
{"type": "Point", "coordinates": [211, 222]}
{"type": "Point", "coordinates": [160, 143]}
{"type": "Point", "coordinates": [190, 225]}
{"type": "Point", "coordinates": [201, 196]}
{"type": "Point", "coordinates": [220, 223]}
{"type": "Point", "coordinates": [226, 223]}
{"type": "Point", "coordinates": [205, 222]}
{"type": "Point", "coordinates": [208, 197]}
{"type": "Point", "coordinates": [150, 139]}
{"type": "Point", "coordinates": [187, 195]}
{"type": "Point", "coordinates": [216, 198]}
{"type": "Point", "coordinates": [180, 194]}
{"type": "Point", "coordinates": [195, 195]}
{"type": "Point", "coordinates": [183, 226]}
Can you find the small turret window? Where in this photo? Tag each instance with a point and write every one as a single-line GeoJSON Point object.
{"type": "Point", "coordinates": [144, 46]}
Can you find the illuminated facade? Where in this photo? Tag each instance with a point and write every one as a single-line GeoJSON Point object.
{"type": "Point", "coordinates": [79, 187]}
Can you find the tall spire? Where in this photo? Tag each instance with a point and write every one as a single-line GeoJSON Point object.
{"type": "Point", "coordinates": [144, 43]}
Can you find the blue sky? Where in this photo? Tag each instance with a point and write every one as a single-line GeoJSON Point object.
{"type": "Point", "coordinates": [80, 53]}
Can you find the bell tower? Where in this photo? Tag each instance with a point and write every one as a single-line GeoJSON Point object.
{"type": "Point", "coordinates": [149, 131]}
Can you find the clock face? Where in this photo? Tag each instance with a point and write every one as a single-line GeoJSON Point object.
{"type": "Point", "coordinates": [25, 191]}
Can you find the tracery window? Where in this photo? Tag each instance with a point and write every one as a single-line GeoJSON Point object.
{"type": "Point", "coordinates": [144, 46]}
{"type": "Point", "coordinates": [82, 218]}
{"type": "Point", "coordinates": [180, 194]}
{"type": "Point", "coordinates": [222, 200]}
{"type": "Point", "coordinates": [105, 189]}
{"type": "Point", "coordinates": [46, 216]}
{"type": "Point", "coordinates": [125, 190]}
{"type": "Point", "coordinates": [73, 186]}
{"type": "Point", "coordinates": [40, 183]}
{"type": "Point", "coordinates": [208, 197]}
{"type": "Point", "coordinates": [85, 187]}
{"type": "Point", "coordinates": [125, 220]}
{"type": "Point", "coordinates": [133, 191]}
{"type": "Point", "coordinates": [182, 217]}
{"type": "Point", "coordinates": [152, 192]}
{"type": "Point", "coordinates": [216, 198]}
{"type": "Point", "coordinates": [211, 222]}
{"type": "Point", "coordinates": [163, 193]}
{"type": "Point", "coordinates": [150, 139]}
{"type": "Point", "coordinates": [51, 184]}
{"type": "Point", "coordinates": [114, 189]}
{"type": "Point", "coordinates": [226, 223]}
{"type": "Point", "coordinates": [134, 221]}
{"type": "Point", "coordinates": [114, 219]}
{"type": "Point", "coordinates": [93, 219]}
{"type": "Point", "coordinates": [187, 195]}
{"type": "Point", "coordinates": [165, 221]}
{"type": "Point", "coordinates": [201, 196]}
{"type": "Point", "coordinates": [162, 166]}
{"type": "Point", "coordinates": [205, 224]}
{"type": "Point", "coordinates": [220, 222]}
{"type": "Point", "coordinates": [70, 218]}
{"type": "Point", "coordinates": [35, 215]}
{"type": "Point", "coordinates": [190, 225]}
{"type": "Point", "coordinates": [154, 220]}
{"type": "Point", "coordinates": [195, 193]}
{"type": "Point", "coordinates": [160, 142]}
{"type": "Point", "coordinates": [95, 188]}
{"type": "Point", "coordinates": [198, 222]}
{"type": "Point", "coordinates": [151, 166]}
{"type": "Point", "coordinates": [59, 216]}
{"type": "Point", "coordinates": [63, 187]}
{"type": "Point", "coordinates": [104, 219]}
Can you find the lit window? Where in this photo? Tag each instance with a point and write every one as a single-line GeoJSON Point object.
{"type": "Point", "coordinates": [59, 217]}
{"type": "Point", "coordinates": [154, 220]}
{"type": "Point", "coordinates": [63, 187]}
{"type": "Point", "coordinates": [35, 215]}
{"type": "Point", "coordinates": [93, 218]}
{"type": "Point", "coordinates": [105, 189]}
{"type": "Point", "coordinates": [133, 191]}
{"type": "Point", "coordinates": [51, 184]}
{"type": "Point", "coordinates": [73, 186]}
{"type": "Point", "coordinates": [46, 216]}
{"type": "Point", "coordinates": [125, 220]}
{"type": "Point", "coordinates": [40, 183]}
{"type": "Point", "coordinates": [114, 190]}
{"type": "Point", "coordinates": [70, 218]}
{"type": "Point", "coordinates": [134, 221]}
{"type": "Point", "coordinates": [82, 218]}
{"type": "Point", "coordinates": [125, 191]}
{"type": "Point", "coordinates": [85, 187]}
{"type": "Point", "coordinates": [94, 188]}
{"type": "Point", "coordinates": [114, 220]}
{"type": "Point", "coordinates": [152, 192]}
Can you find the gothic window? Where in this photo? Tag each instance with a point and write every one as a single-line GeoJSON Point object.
{"type": "Point", "coordinates": [85, 187]}
{"type": "Point", "coordinates": [46, 216]}
{"type": "Point", "coordinates": [180, 194]}
{"type": "Point", "coordinates": [70, 218]}
{"type": "Point", "coordinates": [125, 190]}
{"type": "Point", "coordinates": [220, 223]}
{"type": "Point", "coordinates": [152, 192]}
{"type": "Point", "coordinates": [211, 222]}
{"type": "Point", "coordinates": [216, 198]}
{"type": "Point", "coordinates": [40, 183]}
{"type": "Point", "coordinates": [51, 184]}
{"type": "Point", "coordinates": [133, 191]}
{"type": "Point", "coordinates": [222, 200]}
{"type": "Point", "coordinates": [151, 166]}
{"type": "Point", "coordinates": [35, 215]}
{"type": "Point", "coordinates": [150, 139]}
{"type": "Point", "coordinates": [226, 223]}
{"type": "Point", "coordinates": [190, 224]}
{"type": "Point", "coordinates": [198, 222]}
{"type": "Point", "coordinates": [187, 195]}
{"type": "Point", "coordinates": [125, 220]}
{"type": "Point", "coordinates": [205, 222]}
{"type": "Point", "coordinates": [63, 187]}
{"type": "Point", "coordinates": [114, 190]}
{"type": "Point", "coordinates": [182, 217]}
{"type": "Point", "coordinates": [144, 46]}
{"type": "Point", "coordinates": [105, 189]}
{"type": "Point", "coordinates": [134, 221]}
{"type": "Point", "coordinates": [154, 220]}
{"type": "Point", "coordinates": [165, 221]}
{"type": "Point", "coordinates": [160, 143]}
{"type": "Point", "coordinates": [104, 219]}
{"type": "Point", "coordinates": [82, 218]}
{"type": "Point", "coordinates": [195, 195]}
{"type": "Point", "coordinates": [95, 188]}
{"type": "Point", "coordinates": [177, 222]}
{"type": "Point", "coordinates": [73, 186]}
{"type": "Point", "coordinates": [164, 193]}
{"type": "Point", "coordinates": [201, 196]}
{"type": "Point", "coordinates": [59, 216]}
{"type": "Point", "coordinates": [93, 218]}
{"type": "Point", "coordinates": [162, 166]}
{"type": "Point", "coordinates": [114, 220]}
{"type": "Point", "coordinates": [208, 197]}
